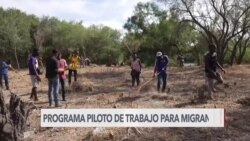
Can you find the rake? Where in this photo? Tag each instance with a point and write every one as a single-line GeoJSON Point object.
{"type": "Point", "coordinates": [144, 84]}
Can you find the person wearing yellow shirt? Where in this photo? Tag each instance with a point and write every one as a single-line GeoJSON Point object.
{"type": "Point", "coordinates": [74, 61]}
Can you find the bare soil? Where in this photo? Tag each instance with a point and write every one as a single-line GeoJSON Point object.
{"type": "Point", "coordinates": [110, 87]}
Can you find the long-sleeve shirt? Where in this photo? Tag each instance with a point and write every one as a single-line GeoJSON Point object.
{"type": "Point", "coordinates": [4, 68]}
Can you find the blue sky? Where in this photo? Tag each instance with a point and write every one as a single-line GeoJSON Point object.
{"type": "Point", "coordinates": [113, 13]}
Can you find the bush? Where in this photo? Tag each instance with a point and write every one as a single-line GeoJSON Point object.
{"type": "Point", "coordinates": [246, 58]}
{"type": "Point", "coordinates": [172, 61]}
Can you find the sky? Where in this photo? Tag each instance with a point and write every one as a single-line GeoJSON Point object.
{"type": "Point", "coordinates": [112, 13]}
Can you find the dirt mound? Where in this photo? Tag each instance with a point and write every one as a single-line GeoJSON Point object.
{"type": "Point", "coordinates": [128, 99]}
{"type": "Point", "coordinates": [164, 97]}
{"type": "Point", "coordinates": [244, 101]}
{"type": "Point", "coordinates": [78, 87]}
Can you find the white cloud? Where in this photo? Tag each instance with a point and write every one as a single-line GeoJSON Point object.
{"type": "Point", "coordinates": [113, 13]}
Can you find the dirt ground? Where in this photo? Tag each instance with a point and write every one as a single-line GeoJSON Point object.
{"type": "Point", "coordinates": [110, 87]}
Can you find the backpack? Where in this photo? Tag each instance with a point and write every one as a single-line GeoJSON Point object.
{"type": "Point", "coordinates": [165, 57]}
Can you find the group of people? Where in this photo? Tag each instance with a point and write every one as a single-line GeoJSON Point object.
{"type": "Point", "coordinates": [160, 70]}
{"type": "Point", "coordinates": [56, 68]}
{"type": "Point", "coordinates": [212, 76]}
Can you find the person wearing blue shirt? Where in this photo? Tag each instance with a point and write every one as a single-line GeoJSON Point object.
{"type": "Point", "coordinates": [4, 67]}
{"type": "Point", "coordinates": [160, 70]}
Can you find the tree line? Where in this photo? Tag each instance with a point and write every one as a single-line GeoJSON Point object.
{"type": "Point", "coordinates": [171, 26]}
{"type": "Point", "coordinates": [21, 33]}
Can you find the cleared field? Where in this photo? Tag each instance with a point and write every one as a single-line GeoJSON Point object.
{"type": "Point", "coordinates": [109, 87]}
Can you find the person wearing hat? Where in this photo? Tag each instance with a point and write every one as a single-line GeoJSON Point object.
{"type": "Point", "coordinates": [211, 65]}
{"type": "Point", "coordinates": [33, 72]}
{"type": "Point", "coordinates": [160, 69]}
{"type": "Point", "coordinates": [74, 61]}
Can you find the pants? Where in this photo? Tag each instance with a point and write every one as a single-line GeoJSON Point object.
{"type": "Point", "coordinates": [70, 74]}
{"type": "Point", "coordinates": [62, 81]}
{"type": "Point", "coordinates": [211, 82]}
{"type": "Point", "coordinates": [181, 63]}
{"type": "Point", "coordinates": [34, 81]}
{"type": "Point", "coordinates": [6, 80]}
{"type": "Point", "coordinates": [135, 77]}
{"type": "Point", "coordinates": [162, 77]}
{"type": "Point", "coordinates": [53, 92]}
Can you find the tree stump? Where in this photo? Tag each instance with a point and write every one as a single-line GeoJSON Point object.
{"type": "Point", "coordinates": [13, 117]}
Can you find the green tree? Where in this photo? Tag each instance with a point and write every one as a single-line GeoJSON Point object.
{"type": "Point", "coordinates": [219, 21]}
{"type": "Point", "coordinates": [154, 29]}
{"type": "Point", "coordinates": [15, 30]}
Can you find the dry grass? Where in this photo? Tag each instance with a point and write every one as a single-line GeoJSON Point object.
{"type": "Point", "coordinates": [102, 87]}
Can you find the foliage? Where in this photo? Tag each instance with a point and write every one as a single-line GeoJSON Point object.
{"type": "Point", "coordinates": [179, 27]}
{"type": "Point", "coordinates": [153, 29]}
{"type": "Point", "coordinates": [20, 33]}
{"type": "Point", "coordinates": [218, 21]}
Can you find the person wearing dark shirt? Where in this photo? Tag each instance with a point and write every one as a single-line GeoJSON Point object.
{"type": "Point", "coordinates": [180, 60]}
{"type": "Point", "coordinates": [160, 70]}
{"type": "Point", "coordinates": [211, 65]}
{"type": "Point", "coordinates": [52, 70]}
{"type": "Point", "coordinates": [34, 76]}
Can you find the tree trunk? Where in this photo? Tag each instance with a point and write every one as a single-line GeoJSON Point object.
{"type": "Point", "coordinates": [233, 54]}
{"type": "Point", "coordinates": [197, 55]}
{"type": "Point", "coordinates": [13, 118]}
{"type": "Point", "coordinates": [241, 55]}
{"type": "Point", "coordinates": [220, 57]}
{"type": "Point", "coordinates": [242, 52]}
{"type": "Point", "coordinates": [222, 49]}
{"type": "Point", "coordinates": [16, 57]}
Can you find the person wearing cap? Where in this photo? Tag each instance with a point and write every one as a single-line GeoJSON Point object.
{"type": "Point", "coordinates": [211, 74]}
{"type": "Point", "coordinates": [160, 69]}
{"type": "Point", "coordinates": [52, 71]}
{"type": "Point", "coordinates": [34, 75]}
{"type": "Point", "coordinates": [135, 69]}
{"type": "Point", "coordinates": [74, 61]}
